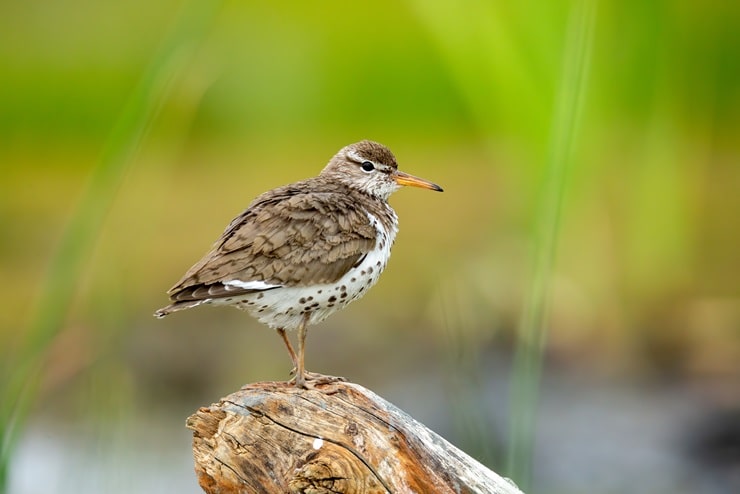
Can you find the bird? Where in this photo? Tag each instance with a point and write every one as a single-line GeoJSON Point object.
{"type": "Point", "coordinates": [300, 252]}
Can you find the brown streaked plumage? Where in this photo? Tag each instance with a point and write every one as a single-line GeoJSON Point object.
{"type": "Point", "coordinates": [300, 252]}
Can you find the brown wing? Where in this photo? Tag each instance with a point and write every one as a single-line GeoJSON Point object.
{"type": "Point", "coordinates": [287, 237]}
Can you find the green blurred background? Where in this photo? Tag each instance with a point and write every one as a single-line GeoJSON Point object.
{"type": "Point", "coordinates": [132, 132]}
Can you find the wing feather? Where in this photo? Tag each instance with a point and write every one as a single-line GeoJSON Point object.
{"type": "Point", "coordinates": [287, 237]}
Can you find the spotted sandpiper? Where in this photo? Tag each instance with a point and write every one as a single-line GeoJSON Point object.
{"type": "Point", "coordinates": [301, 252]}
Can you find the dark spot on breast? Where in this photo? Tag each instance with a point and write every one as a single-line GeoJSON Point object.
{"type": "Point", "coordinates": [309, 299]}
{"type": "Point", "coordinates": [229, 299]}
{"type": "Point", "coordinates": [344, 288]}
{"type": "Point", "coordinates": [260, 295]}
{"type": "Point", "coordinates": [315, 304]}
{"type": "Point", "coordinates": [343, 295]}
{"type": "Point", "coordinates": [332, 299]}
{"type": "Point", "coordinates": [363, 273]}
{"type": "Point", "coordinates": [369, 270]}
{"type": "Point", "coordinates": [353, 279]}
{"type": "Point", "coordinates": [377, 264]}
{"type": "Point", "coordinates": [319, 291]}
{"type": "Point", "coordinates": [302, 300]}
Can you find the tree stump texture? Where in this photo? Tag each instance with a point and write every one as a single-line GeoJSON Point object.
{"type": "Point", "coordinates": [340, 438]}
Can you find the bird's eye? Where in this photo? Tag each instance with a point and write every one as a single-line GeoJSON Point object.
{"type": "Point", "coordinates": [367, 166]}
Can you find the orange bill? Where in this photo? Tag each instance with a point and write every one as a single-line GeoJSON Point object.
{"type": "Point", "coordinates": [402, 178]}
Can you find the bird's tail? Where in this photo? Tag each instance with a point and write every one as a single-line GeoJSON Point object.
{"type": "Point", "coordinates": [181, 305]}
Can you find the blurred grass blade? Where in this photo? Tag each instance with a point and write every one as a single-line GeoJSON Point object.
{"type": "Point", "coordinates": [21, 374]}
{"type": "Point", "coordinates": [532, 330]}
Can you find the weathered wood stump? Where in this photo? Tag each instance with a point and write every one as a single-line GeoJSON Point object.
{"type": "Point", "coordinates": [341, 438]}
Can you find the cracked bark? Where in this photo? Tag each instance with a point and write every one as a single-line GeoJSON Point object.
{"type": "Point", "coordinates": [341, 438]}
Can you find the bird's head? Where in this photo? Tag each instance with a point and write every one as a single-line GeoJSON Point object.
{"type": "Point", "coordinates": [371, 168]}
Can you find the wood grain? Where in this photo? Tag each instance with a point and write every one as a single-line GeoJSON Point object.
{"type": "Point", "coordinates": [340, 438]}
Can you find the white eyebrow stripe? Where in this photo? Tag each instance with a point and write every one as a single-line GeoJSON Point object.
{"type": "Point", "coordinates": [356, 157]}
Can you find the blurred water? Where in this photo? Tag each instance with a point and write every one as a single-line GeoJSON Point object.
{"type": "Point", "coordinates": [57, 458]}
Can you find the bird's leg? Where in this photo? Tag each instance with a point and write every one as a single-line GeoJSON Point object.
{"type": "Point", "coordinates": [304, 379]}
{"type": "Point", "coordinates": [281, 332]}
{"type": "Point", "coordinates": [300, 370]}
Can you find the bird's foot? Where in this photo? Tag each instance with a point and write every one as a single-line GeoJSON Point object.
{"type": "Point", "coordinates": [310, 380]}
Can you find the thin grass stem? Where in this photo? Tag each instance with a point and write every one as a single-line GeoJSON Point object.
{"type": "Point", "coordinates": [70, 259]}
{"type": "Point", "coordinates": [533, 325]}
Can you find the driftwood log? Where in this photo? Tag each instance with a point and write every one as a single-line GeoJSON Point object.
{"type": "Point", "coordinates": [340, 438]}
